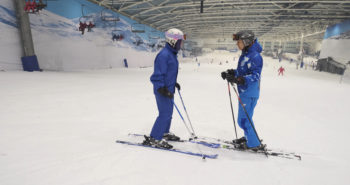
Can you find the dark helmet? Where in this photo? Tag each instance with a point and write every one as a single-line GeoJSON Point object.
{"type": "Point", "coordinates": [246, 36]}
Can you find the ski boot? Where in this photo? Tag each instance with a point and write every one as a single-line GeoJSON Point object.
{"type": "Point", "coordinates": [171, 137]}
{"type": "Point", "coordinates": [243, 146]}
{"type": "Point", "coordinates": [150, 141]}
{"type": "Point", "coordinates": [239, 141]}
{"type": "Point", "coordinates": [261, 147]}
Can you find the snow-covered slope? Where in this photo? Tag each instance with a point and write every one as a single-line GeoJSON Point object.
{"type": "Point", "coordinates": [216, 57]}
{"type": "Point", "coordinates": [59, 128]}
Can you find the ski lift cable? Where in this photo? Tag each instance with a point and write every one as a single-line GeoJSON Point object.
{"type": "Point", "coordinates": [82, 12]}
{"type": "Point", "coordinates": [116, 27]}
{"type": "Point", "coordinates": [116, 19]}
{"type": "Point", "coordinates": [84, 16]}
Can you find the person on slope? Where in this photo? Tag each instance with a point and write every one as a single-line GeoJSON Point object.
{"type": "Point", "coordinates": [82, 27]}
{"type": "Point", "coordinates": [90, 26]}
{"type": "Point", "coordinates": [164, 80]}
{"type": "Point", "coordinates": [247, 77]}
{"type": "Point", "coordinates": [281, 70]}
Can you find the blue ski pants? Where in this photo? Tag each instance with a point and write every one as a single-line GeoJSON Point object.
{"type": "Point", "coordinates": [162, 124]}
{"type": "Point", "coordinates": [249, 133]}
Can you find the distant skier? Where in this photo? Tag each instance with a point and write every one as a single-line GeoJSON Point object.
{"type": "Point", "coordinates": [30, 6]}
{"type": "Point", "coordinates": [33, 6]}
{"type": "Point", "coordinates": [126, 63]}
{"type": "Point", "coordinates": [247, 78]}
{"type": "Point", "coordinates": [90, 26]}
{"type": "Point", "coordinates": [115, 37]}
{"type": "Point", "coordinates": [27, 6]}
{"type": "Point", "coordinates": [280, 71]}
{"type": "Point", "coordinates": [164, 82]}
{"type": "Point", "coordinates": [40, 5]}
{"type": "Point", "coordinates": [82, 27]}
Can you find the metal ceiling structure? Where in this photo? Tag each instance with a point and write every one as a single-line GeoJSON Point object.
{"type": "Point", "coordinates": [284, 20]}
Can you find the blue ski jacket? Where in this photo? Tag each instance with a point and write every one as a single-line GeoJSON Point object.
{"type": "Point", "coordinates": [165, 69]}
{"type": "Point", "coordinates": [249, 66]}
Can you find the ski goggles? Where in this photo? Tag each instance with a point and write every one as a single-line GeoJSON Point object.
{"type": "Point", "coordinates": [176, 36]}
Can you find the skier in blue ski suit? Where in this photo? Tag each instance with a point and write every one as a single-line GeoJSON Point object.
{"type": "Point", "coordinates": [247, 77]}
{"type": "Point", "coordinates": [164, 80]}
{"type": "Point", "coordinates": [164, 77]}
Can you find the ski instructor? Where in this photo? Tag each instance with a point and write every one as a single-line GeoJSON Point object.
{"type": "Point", "coordinates": [247, 78]}
{"type": "Point", "coordinates": [164, 82]}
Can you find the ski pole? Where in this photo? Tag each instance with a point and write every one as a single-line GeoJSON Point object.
{"type": "Point", "coordinates": [233, 116]}
{"type": "Point", "coordinates": [188, 118]}
{"type": "Point", "coordinates": [245, 111]}
{"type": "Point", "coordinates": [200, 151]}
{"type": "Point", "coordinates": [183, 120]}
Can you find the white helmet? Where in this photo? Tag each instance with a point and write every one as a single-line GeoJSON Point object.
{"type": "Point", "coordinates": [172, 35]}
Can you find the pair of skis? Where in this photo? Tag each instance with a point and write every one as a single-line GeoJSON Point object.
{"type": "Point", "coordinates": [204, 156]}
{"type": "Point", "coordinates": [268, 152]}
{"type": "Point", "coordinates": [218, 144]}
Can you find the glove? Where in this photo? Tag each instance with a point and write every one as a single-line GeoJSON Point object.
{"type": "Point", "coordinates": [223, 75]}
{"type": "Point", "coordinates": [239, 80]}
{"type": "Point", "coordinates": [177, 85]}
{"type": "Point", "coordinates": [231, 72]}
{"type": "Point", "coordinates": [165, 92]}
{"type": "Point", "coordinates": [230, 78]}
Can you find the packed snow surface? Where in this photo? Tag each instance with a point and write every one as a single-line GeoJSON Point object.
{"type": "Point", "coordinates": [59, 128]}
